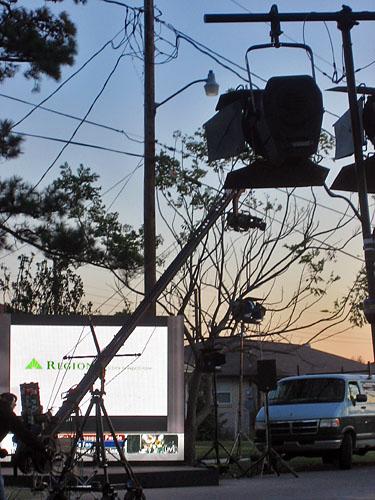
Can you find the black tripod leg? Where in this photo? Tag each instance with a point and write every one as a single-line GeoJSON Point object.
{"type": "Point", "coordinates": [259, 460]}
{"type": "Point", "coordinates": [79, 433]}
{"type": "Point", "coordinates": [283, 462]}
{"type": "Point", "coordinates": [136, 485]}
{"type": "Point", "coordinates": [100, 440]}
{"type": "Point", "coordinates": [237, 443]}
{"type": "Point", "coordinates": [70, 459]}
{"type": "Point", "coordinates": [206, 454]}
{"type": "Point", "coordinates": [115, 440]}
{"type": "Point", "coordinates": [230, 458]}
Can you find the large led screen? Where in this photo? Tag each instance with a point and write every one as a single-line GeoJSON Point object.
{"type": "Point", "coordinates": [136, 379]}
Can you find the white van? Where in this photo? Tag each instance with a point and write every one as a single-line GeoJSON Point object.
{"type": "Point", "coordinates": [331, 416]}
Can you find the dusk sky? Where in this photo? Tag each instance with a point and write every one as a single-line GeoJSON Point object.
{"type": "Point", "coordinates": [200, 47]}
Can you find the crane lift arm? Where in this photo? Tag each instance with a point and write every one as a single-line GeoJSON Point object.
{"type": "Point", "coordinates": [108, 353]}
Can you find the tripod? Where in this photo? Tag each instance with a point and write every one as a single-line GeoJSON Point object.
{"type": "Point", "coordinates": [134, 490]}
{"type": "Point", "coordinates": [237, 445]}
{"type": "Point", "coordinates": [269, 457]}
{"type": "Point", "coordinates": [216, 444]}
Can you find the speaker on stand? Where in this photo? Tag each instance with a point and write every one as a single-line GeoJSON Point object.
{"type": "Point", "coordinates": [267, 381]}
{"type": "Point", "coordinates": [266, 374]}
{"type": "Point", "coordinates": [210, 360]}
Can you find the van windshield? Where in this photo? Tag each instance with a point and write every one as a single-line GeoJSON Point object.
{"type": "Point", "coordinates": [308, 390]}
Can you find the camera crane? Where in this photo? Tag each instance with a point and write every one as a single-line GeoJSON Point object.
{"type": "Point", "coordinates": [27, 460]}
{"type": "Point", "coordinates": [107, 354]}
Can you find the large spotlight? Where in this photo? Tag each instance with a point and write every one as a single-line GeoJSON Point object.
{"type": "Point", "coordinates": [281, 123]}
{"type": "Point", "coordinates": [290, 119]}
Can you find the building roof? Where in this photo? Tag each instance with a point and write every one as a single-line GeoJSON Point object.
{"type": "Point", "coordinates": [291, 359]}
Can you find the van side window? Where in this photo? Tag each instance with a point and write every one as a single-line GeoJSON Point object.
{"type": "Point", "coordinates": [353, 391]}
{"type": "Point", "coordinates": [368, 387]}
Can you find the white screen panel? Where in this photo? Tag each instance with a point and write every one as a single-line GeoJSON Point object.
{"type": "Point", "coordinates": [135, 385]}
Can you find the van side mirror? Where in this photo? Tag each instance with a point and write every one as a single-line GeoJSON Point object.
{"type": "Point", "coordinates": [361, 398]}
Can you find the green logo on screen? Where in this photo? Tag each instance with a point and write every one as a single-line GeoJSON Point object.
{"type": "Point", "coordinates": [34, 364]}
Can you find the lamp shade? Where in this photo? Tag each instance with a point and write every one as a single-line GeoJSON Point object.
{"type": "Point", "coordinates": [211, 87]}
{"type": "Point", "coordinates": [262, 174]}
{"type": "Point", "coordinates": [347, 177]}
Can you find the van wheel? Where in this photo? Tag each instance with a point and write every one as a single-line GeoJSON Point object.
{"type": "Point", "coordinates": [346, 452]}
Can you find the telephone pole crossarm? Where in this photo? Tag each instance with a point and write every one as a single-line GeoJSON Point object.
{"type": "Point", "coordinates": [288, 17]}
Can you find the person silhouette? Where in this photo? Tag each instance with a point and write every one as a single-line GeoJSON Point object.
{"type": "Point", "coordinates": [10, 422]}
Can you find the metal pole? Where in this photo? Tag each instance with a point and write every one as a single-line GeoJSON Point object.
{"type": "Point", "coordinates": [240, 390]}
{"type": "Point", "coordinates": [292, 16]}
{"type": "Point", "coordinates": [149, 156]}
{"type": "Point", "coordinates": [216, 418]}
{"type": "Point", "coordinates": [201, 80]}
{"type": "Point", "coordinates": [345, 25]}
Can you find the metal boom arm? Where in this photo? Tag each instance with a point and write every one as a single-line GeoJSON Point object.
{"type": "Point", "coordinates": [108, 353]}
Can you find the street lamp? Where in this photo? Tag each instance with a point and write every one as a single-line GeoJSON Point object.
{"type": "Point", "coordinates": [211, 89]}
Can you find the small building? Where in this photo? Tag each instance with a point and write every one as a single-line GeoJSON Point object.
{"type": "Point", "coordinates": [238, 396]}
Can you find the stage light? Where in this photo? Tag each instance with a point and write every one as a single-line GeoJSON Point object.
{"type": "Point", "coordinates": [281, 123]}
{"type": "Point", "coordinates": [248, 310]}
{"type": "Point", "coordinates": [290, 119]}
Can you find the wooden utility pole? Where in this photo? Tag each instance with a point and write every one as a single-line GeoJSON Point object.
{"type": "Point", "coordinates": [149, 155]}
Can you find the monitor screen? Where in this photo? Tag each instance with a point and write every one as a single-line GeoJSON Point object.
{"type": "Point", "coordinates": [135, 384]}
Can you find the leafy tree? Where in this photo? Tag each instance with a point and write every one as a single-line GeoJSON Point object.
{"type": "Point", "coordinates": [68, 221]}
{"type": "Point", "coordinates": [50, 289]}
{"type": "Point", "coordinates": [37, 40]}
{"type": "Point", "coordinates": [356, 295]}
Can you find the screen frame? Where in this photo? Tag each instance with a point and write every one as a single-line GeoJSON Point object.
{"type": "Point", "coordinates": [173, 422]}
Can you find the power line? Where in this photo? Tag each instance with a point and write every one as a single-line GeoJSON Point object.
{"type": "Point", "coordinates": [73, 117]}
{"type": "Point", "coordinates": [209, 52]}
{"type": "Point", "coordinates": [123, 179]}
{"type": "Point", "coordinates": [110, 42]}
{"type": "Point", "coordinates": [13, 251]}
{"type": "Point", "coordinates": [76, 143]}
{"type": "Point", "coordinates": [81, 122]}
{"type": "Point", "coordinates": [125, 184]}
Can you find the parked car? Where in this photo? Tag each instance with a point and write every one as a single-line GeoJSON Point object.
{"type": "Point", "coordinates": [326, 415]}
